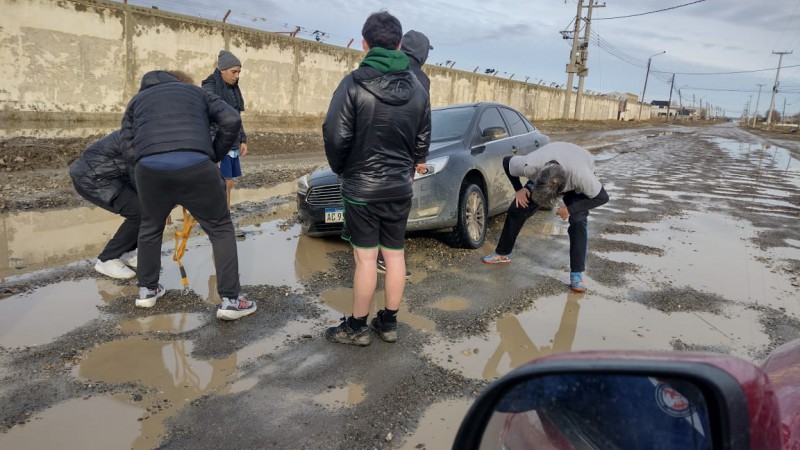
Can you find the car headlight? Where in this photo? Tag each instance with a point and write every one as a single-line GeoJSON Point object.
{"type": "Point", "coordinates": [435, 165]}
{"type": "Point", "coordinates": [302, 185]}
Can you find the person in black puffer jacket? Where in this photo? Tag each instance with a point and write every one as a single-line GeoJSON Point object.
{"type": "Point", "coordinates": [103, 176]}
{"type": "Point", "coordinates": [165, 132]}
{"type": "Point", "coordinates": [376, 134]}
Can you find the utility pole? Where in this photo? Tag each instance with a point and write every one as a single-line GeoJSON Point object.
{"type": "Point", "coordinates": [775, 86]}
{"type": "Point", "coordinates": [646, 76]}
{"type": "Point", "coordinates": [669, 102]}
{"type": "Point", "coordinates": [758, 98]}
{"type": "Point", "coordinates": [571, 67]}
{"type": "Point", "coordinates": [582, 58]}
{"type": "Point", "coordinates": [783, 114]}
{"type": "Point", "coordinates": [749, 102]}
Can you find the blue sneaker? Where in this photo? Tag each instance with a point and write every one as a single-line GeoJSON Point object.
{"type": "Point", "coordinates": [576, 283]}
{"type": "Point", "coordinates": [494, 258]}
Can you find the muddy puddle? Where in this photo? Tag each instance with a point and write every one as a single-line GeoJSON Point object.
{"type": "Point", "coordinates": [705, 270]}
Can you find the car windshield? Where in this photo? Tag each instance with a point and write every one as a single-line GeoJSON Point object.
{"type": "Point", "coordinates": [450, 123]}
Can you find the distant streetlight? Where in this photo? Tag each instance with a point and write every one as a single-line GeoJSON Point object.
{"type": "Point", "coordinates": [647, 75]}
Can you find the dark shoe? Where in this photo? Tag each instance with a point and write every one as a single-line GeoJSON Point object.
{"type": "Point", "coordinates": [343, 334]}
{"type": "Point", "coordinates": [386, 330]}
{"type": "Point", "coordinates": [382, 268]}
{"type": "Point", "coordinates": [235, 308]}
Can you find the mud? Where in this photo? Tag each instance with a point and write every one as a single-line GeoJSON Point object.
{"type": "Point", "coordinates": [698, 249]}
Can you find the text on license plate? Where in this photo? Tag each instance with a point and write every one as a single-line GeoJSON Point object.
{"type": "Point", "coordinates": [334, 215]}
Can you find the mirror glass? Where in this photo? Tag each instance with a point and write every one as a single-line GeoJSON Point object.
{"type": "Point", "coordinates": [600, 411]}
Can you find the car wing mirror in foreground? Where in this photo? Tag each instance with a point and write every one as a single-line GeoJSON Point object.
{"type": "Point", "coordinates": [640, 400]}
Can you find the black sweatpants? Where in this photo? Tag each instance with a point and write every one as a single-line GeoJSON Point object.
{"type": "Point", "coordinates": [126, 204]}
{"type": "Point", "coordinates": [578, 230]}
{"type": "Point", "coordinates": [201, 190]}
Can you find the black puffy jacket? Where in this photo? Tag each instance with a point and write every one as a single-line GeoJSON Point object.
{"type": "Point", "coordinates": [102, 171]}
{"type": "Point", "coordinates": [168, 115]}
{"type": "Point", "coordinates": [232, 96]}
{"type": "Point", "coordinates": [378, 127]}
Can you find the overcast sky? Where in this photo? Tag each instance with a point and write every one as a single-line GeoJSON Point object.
{"type": "Point", "coordinates": [522, 37]}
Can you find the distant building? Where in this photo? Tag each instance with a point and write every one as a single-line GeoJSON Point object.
{"type": "Point", "coordinates": [627, 105]}
{"type": "Point", "coordinates": [661, 108]}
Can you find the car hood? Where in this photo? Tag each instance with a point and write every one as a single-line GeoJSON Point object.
{"type": "Point", "coordinates": [325, 176]}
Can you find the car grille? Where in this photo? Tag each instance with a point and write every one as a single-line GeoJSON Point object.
{"type": "Point", "coordinates": [330, 195]}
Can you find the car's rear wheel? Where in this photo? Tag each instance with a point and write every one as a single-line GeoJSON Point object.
{"type": "Point", "coordinates": [470, 231]}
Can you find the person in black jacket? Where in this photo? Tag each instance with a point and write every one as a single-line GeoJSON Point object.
{"type": "Point", "coordinates": [416, 46]}
{"type": "Point", "coordinates": [165, 131]}
{"type": "Point", "coordinates": [103, 176]}
{"type": "Point", "coordinates": [376, 134]}
{"type": "Point", "coordinates": [225, 83]}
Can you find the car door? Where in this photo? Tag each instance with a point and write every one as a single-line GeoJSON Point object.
{"type": "Point", "coordinates": [528, 139]}
{"type": "Point", "coordinates": [491, 143]}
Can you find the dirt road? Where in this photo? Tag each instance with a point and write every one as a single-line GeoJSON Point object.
{"type": "Point", "coordinates": [698, 249]}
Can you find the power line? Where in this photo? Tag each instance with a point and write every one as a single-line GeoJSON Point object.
{"type": "Point", "coordinates": [727, 73]}
{"type": "Point", "coordinates": [650, 12]}
{"type": "Point", "coordinates": [614, 51]}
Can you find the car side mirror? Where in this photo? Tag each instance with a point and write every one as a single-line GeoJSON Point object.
{"type": "Point", "coordinates": [493, 134]}
{"type": "Point", "coordinates": [579, 401]}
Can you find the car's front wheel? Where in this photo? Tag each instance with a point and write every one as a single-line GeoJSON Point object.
{"type": "Point", "coordinates": [470, 231]}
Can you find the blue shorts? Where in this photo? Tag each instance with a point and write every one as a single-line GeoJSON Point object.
{"type": "Point", "coordinates": [230, 168]}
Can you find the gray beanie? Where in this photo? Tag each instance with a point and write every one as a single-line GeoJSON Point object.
{"type": "Point", "coordinates": [226, 60]}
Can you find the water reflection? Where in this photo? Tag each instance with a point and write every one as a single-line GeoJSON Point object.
{"type": "Point", "coordinates": [35, 240]}
{"type": "Point", "coordinates": [515, 343]}
{"type": "Point", "coordinates": [40, 316]}
{"type": "Point", "coordinates": [167, 366]}
{"type": "Point", "coordinates": [512, 345]}
{"type": "Point", "coordinates": [97, 423]}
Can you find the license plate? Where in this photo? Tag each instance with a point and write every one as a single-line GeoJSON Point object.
{"type": "Point", "coordinates": [334, 215]}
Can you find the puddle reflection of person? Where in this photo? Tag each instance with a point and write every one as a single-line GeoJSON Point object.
{"type": "Point", "coordinates": [515, 342]}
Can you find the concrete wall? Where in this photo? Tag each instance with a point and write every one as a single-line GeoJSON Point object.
{"type": "Point", "coordinates": [83, 59]}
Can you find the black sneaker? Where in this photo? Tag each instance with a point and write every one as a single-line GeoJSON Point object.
{"type": "Point", "coordinates": [343, 334]}
{"type": "Point", "coordinates": [382, 268]}
{"type": "Point", "coordinates": [386, 330]}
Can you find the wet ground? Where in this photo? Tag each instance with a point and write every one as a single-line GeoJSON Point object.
{"type": "Point", "coordinates": [698, 249]}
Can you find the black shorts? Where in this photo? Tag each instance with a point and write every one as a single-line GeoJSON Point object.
{"type": "Point", "coordinates": [369, 225]}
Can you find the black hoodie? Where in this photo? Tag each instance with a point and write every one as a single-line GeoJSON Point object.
{"type": "Point", "coordinates": [416, 45]}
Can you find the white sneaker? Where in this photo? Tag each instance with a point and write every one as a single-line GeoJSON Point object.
{"type": "Point", "coordinates": [147, 297]}
{"type": "Point", "coordinates": [114, 268]}
{"type": "Point", "coordinates": [130, 259]}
